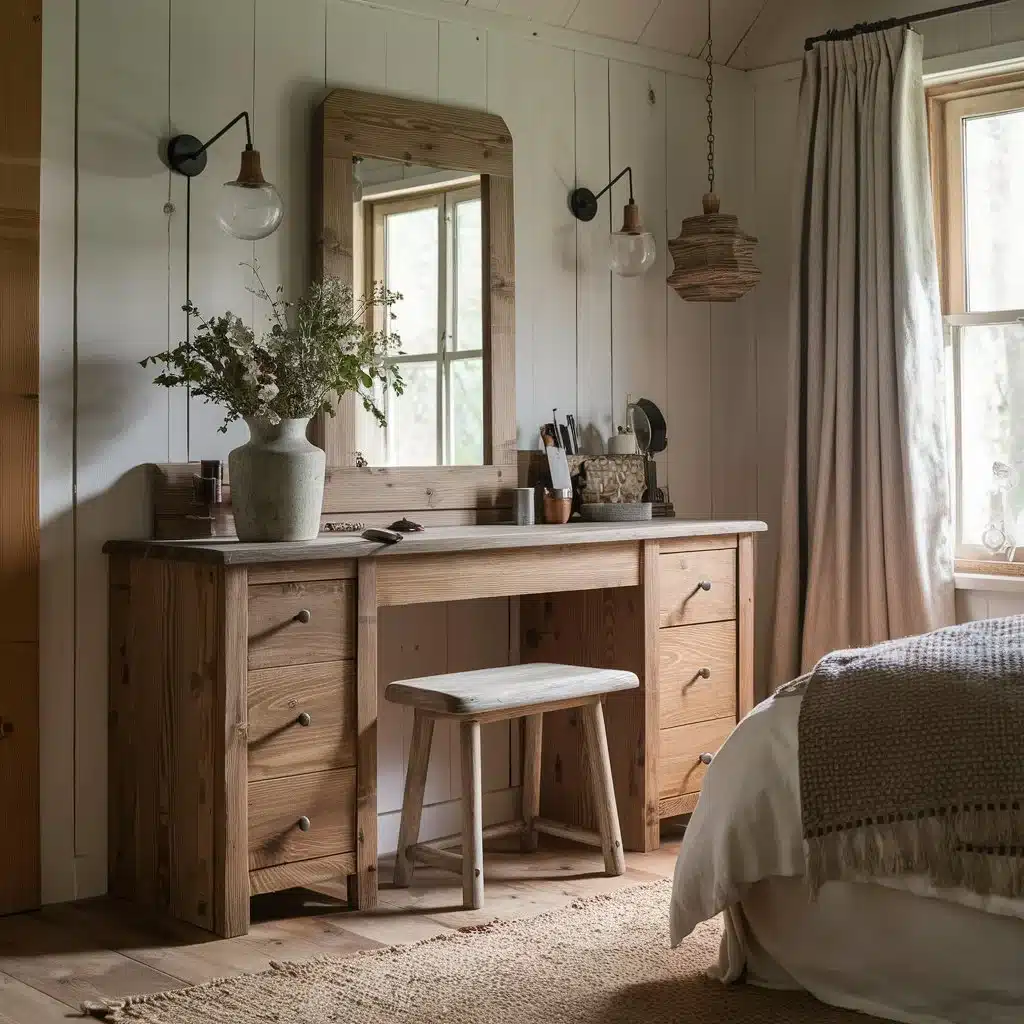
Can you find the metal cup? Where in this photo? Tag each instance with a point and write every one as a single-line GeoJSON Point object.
{"type": "Point", "coordinates": [525, 505]}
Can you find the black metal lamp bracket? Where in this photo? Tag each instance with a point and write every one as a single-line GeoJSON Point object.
{"type": "Point", "coordinates": [583, 202]}
{"type": "Point", "coordinates": [187, 155]}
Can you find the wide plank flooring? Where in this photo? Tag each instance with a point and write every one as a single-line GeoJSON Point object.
{"type": "Point", "coordinates": [53, 959]}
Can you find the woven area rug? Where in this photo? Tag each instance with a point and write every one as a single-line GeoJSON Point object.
{"type": "Point", "coordinates": [601, 960]}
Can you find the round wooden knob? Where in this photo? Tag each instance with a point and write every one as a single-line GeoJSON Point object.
{"type": "Point", "coordinates": [704, 673]}
{"type": "Point", "coordinates": [304, 824]}
{"type": "Point", "coordinates": [706, 758]}
{"type": "Point", "coordinates": [704, 585]}
{"type": "Point", "coordinates": [304, 718]}
{"type": "Point", "coordinates": [304, 616]}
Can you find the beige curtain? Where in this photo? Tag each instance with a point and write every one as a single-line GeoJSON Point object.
{"type": "Point", "coordinates": [865, 543]}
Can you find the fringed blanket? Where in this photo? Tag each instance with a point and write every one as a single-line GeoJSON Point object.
{"type": "Point", "coordinates": [912, 760]}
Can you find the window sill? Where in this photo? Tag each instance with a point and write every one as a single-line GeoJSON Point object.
{"type": "Point", "coordinates": [989, 582]}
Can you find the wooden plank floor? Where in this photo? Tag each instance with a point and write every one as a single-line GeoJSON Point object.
{"type": "Point", "coordinates": [53, 959]}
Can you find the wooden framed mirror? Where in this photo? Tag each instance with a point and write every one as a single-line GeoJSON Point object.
{"type": "Point", "coordinates": [419, 197]}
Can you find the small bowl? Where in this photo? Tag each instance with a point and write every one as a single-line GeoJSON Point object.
{"type": "Point", "coordinates": [557, 505]}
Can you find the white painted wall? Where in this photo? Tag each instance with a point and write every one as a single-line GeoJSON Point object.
{"type": "Point", "coordinates": [579, 108]}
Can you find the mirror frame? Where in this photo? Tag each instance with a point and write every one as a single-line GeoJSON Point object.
{"type": "Point", "coordinates": [351, 123]}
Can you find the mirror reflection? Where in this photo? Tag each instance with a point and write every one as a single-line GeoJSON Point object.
{"type": "Point", "coordinates": [417, 231]}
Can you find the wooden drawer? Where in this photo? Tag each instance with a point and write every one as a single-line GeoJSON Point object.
{"type": "Point", "coordinates": [301, 623]}
{"type": "Point", "coordinates": [685, 653]}
{"type": "Point", "coordinates": [683, 600]}
{"type": "Point", "coordinates": [279, 743]}
{"type": "Point", "coordinates": [328, 799]}
{"type": "Point", "coordinates": [680, 769]}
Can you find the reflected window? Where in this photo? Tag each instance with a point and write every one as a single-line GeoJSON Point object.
{"type": "Point", "coordinates": [427, 245]}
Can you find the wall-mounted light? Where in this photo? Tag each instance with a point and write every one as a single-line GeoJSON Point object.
{"type": "Point", "coordinates": [248, 207]}
{"type": "Point", "coordinates": [633, 251]}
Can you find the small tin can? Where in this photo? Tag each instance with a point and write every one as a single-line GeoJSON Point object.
{"type": "Point", "coordinates": [525, 503]}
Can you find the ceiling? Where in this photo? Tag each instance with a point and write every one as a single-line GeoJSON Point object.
{"type": "Point", "coordinates": [679, 26]}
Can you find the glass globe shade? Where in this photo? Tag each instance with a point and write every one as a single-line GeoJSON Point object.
{"type": "Point", "coordinates": [249, 210]}
{"type": "Point", "coordinates": [632, 253]}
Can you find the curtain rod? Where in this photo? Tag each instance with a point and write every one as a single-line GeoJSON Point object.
{"type": "Point", "coordinates": [836, 34]}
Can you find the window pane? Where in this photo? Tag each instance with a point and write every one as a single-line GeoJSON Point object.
{"type": "Point", "coordinates": [411, 249]}
{"type": "Point", "coordinates": [466, 412]}
{"type": "Point", "coordinates": [412, 417]}
{"type": "Point", "coordinates": [994, 206]}
{"type": "Point", "coordinates": [992, 435]}
{"type": "Point", "coordinates": [469, 272]}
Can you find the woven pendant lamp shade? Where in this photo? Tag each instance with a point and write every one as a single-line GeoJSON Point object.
{"type": "Point", "coordinates": [713, 256]}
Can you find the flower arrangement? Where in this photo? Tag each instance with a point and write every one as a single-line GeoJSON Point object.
{"type": "Point", "coordinates": [320, 346]}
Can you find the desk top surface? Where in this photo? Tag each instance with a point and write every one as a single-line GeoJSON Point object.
{"type": "Point", "coordinates": [433, 540]}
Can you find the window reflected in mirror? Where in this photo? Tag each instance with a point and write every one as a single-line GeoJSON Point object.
{"type": "Point", "coordinates": [418, 232]}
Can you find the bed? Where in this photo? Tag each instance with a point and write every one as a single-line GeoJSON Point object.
{"type": "Point", "coordinates": [897, 948]}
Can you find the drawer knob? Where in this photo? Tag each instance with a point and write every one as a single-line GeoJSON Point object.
{"type": "Point", "coordinates": [304, 718]}
{"type": "Point", "coordinates": [706, 758]}
{"type": "Point", "coordinates": [704, 585]}
{"type": "Point", "coordinates": [704, 673]}
{"type": "Point", "coordinates": [304, 824]}
{"type": "Point", "coordinates": [303, 616]}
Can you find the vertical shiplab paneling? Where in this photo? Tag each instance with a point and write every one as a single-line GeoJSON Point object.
{"type": "Point", "coordinates": [289, 69]}
{"type": "Point", "coordinates": [688, 357]}
{"type": "Point", "coordinates": [734, 395]}
{"type": "Point", "coordinates": [637, 105]}
{"type": "Point", "coordinates": [530, 85]}
{"type": "Point", "coordinates": [411, 64]}
{"type": "Point", "coordinates": [211, 79]}
{"type": "Point", "coordinates": [56, 439]}
{"type": "Point", "coordinates": [462, 65]}
{"type": "Point", "coordinates": [595, 409]}
{"type": "Point", "coordinates": [122, 420]}
{"type": "Point", "coordinates": [776, 178]}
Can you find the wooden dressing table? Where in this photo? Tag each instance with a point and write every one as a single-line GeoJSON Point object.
{"type": "Point", "coordinates": [243, 689]}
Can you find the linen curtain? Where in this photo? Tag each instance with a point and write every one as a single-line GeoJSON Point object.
{"type": "Point", "coordinates": [865, 536]}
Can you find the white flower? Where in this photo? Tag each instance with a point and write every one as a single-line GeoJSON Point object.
{"type": "Point", "coordinates": [268, 392]}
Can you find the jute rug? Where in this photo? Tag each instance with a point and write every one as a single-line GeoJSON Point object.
{"type": "Point", "coordinates": [601, 960]}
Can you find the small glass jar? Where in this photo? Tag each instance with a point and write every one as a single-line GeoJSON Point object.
{"type": "Point", "coordinates": [557, 505]}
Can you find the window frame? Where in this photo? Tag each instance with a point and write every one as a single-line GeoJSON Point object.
{"type": "Point", "coordinates": [949, 105]}
{"type": "Point", "coordinates": [445, 199]}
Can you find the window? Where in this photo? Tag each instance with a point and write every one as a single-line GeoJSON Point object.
{"type": "Point", "coordinates": [428, 247]}
{"type": "Point", "coordinates": [977, 132]}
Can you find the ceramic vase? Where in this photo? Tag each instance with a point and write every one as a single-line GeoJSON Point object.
{"type": "Point", "coordinates": [277, 482]}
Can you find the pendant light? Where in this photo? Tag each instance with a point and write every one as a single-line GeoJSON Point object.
{"type": "Point", "coordinates": [633, 251]}
{"type": "Point", "coordinates": [713, 257]}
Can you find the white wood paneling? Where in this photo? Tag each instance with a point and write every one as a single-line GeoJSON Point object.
{"type": "Point", "coordinates": [531, 86]}
{"type": "Point", "coordinates": [411, 65]}
{"type": "Point", "coordinates": [462, 65]}
{"type": "Point", "coordinates": [637, 116]}
{"type": "Point", "coordinates": [121, 419]}
{"type": "Point", "coordinates": [211, 81]}
{"type": "Point", "coordinates": [688, 356]}
{"type": "Point", "coordinates": [594, 399]}
{"type": "Point", "coordinates": [612, 18]}
{"type": "Point", "coordinates": [290, 55]}
{"type": "Point", "coordinates": [56, 438]}
{"type": "Point", "coordinates": [356, 46]}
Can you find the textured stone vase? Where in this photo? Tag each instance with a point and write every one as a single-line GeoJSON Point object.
{"type": "Point", "coordinates": [277, 482]}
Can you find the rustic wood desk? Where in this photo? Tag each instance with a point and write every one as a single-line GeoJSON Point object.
{"type": "Point", "coordinates": [243, 690]}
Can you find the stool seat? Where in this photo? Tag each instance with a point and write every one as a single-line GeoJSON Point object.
{"type": "Point", "coordinates": [489, 690]}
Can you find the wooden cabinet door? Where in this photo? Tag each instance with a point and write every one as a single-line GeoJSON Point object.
{"type": "Point", "coordinates": [20, 80]}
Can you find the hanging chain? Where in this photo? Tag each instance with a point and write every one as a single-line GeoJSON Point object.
{"type": "Point", "coordinates": [711, 109]}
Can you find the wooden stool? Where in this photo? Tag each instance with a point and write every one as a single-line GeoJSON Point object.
{"type": "Point", "coordinates": [491, 695]}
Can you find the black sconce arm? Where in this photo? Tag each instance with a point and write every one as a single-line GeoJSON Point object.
{"type": "Point", "coordinates": [583, 202]}
{"type": "Point", "coordinates": [187, 155]}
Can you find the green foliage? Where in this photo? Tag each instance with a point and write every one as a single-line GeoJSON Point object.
{"type": "Point", "coordinates": [318, 348]}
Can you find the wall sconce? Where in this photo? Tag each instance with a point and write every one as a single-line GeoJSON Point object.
{"type": "Point", "coordinates": [633, 249]}
{"type": "Point", "coordinates": [249, 207]}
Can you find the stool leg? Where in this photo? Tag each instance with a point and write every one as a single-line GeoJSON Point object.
{"type": "Point", "coordinates": [596, 740]}
{"type": "Point", "coordinates": [412, 802]}
{"type": "Point", "coordinates": [532, 733]}
{"type": "Point", "coordinates": [472, 818]}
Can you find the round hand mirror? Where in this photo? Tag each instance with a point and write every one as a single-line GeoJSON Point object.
{"type": "Point", "coordinates": [648, 426]}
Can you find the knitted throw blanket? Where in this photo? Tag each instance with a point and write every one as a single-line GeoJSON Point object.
{"type": "Point", "coordinates": [912, 760]}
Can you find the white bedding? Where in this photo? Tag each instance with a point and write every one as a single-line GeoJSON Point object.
{"type": "Point", "coordinates": [745, 834]}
